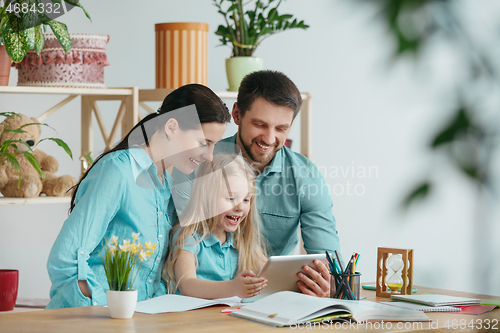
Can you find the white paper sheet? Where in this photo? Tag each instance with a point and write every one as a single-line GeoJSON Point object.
{"type": "Point", "coordinates": [178, 303]}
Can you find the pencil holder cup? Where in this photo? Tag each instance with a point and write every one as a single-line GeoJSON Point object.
{"type": "Point", "coordinates": [9, 280]}
{"type": "Point", "coordinates": [345, 286]}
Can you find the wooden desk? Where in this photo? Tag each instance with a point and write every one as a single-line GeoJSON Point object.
{"type": "Point", "coordinates": [96, 319]}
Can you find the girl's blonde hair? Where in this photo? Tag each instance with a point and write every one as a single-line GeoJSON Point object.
{"type": "Point", "coordinates": [200, 217]}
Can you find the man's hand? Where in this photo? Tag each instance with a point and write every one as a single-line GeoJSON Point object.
{"type": "Point", "coordinates": [318, 284]}
{"type": "Point", "coordinates": [247, 285]}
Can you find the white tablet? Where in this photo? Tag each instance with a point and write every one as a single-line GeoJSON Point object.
{"type": "Point", "coordinates": [281, 273]}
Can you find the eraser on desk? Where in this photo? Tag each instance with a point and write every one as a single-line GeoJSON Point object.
{"type": "Point", "coordinates": [495, 302]}
{"type": "Point", "coordinates": [229, 310]}
{"type": "Point", "coordinates": [374, 287]}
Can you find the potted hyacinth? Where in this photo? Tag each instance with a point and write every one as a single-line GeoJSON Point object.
{"type": "Point", "coordinates": [122, 262]}
{"type": "Point", "coordinates": [245, 29]}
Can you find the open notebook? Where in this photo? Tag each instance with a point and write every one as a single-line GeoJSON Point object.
{"type": "Point", "coordinates": [179, 303]}
{"type": "Point", "coordinates": [288, 308]}
{"type": "Point", "coordinates": [436, 300]}
{"type": "Point", "coordinates": [421, 307]}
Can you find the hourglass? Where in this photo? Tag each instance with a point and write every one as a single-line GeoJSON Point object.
{"type": "Point", "coordinates": [395, 281]}
{"type": "Point", "coordinates": [400, 279]}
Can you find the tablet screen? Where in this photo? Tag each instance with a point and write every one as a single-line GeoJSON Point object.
{"type": "Point", "coordinates": [281, 272]}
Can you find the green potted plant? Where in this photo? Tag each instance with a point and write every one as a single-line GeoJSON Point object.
{"type": "Point", "coordinates": [122, 262]}
{"type": "Point", "coordinates": [246, 29]}
{"type": "Point", "coordinates": [22, 23]}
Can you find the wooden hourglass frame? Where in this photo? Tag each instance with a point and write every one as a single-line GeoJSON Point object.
{"type": "Point", "coordinates": [382, 271]}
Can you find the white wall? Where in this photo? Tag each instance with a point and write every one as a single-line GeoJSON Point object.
{"type": "Point", "coordinates": [369, 114]}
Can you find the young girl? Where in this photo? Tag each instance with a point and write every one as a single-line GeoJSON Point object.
{"type": "Point", "coordinates": [219, 248]}
{"type": "Point", "coordinates": [127, 190]}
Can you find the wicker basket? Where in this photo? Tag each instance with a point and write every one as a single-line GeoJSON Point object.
{"type": "Point", "coordinates": [81, 67]}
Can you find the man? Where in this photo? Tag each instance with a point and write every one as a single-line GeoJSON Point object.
{"type": "Point", "coordinates": [291, 192]}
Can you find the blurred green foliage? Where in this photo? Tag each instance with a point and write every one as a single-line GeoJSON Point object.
{"type": "Point", "coordinates": [466, 140]}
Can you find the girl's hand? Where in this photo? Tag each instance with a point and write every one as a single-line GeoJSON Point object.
{"type": "Point", "coordinates": [247, 285]}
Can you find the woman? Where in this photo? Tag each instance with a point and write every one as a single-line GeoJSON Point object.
{"type": "Point", "coordinates": [127, 190]}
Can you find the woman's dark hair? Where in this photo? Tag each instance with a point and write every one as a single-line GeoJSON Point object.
{"type": "Point", "coordinates": [209, 108]}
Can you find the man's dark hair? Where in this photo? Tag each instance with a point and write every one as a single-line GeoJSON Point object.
{"type": "Point", "coordinates": [273, 86]}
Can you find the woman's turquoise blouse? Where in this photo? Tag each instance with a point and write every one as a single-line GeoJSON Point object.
{"type": "Point", "coordinates": [120, 195]}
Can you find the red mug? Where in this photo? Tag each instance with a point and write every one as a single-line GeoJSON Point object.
{"type": "Point", "coordinates": [9, 280]}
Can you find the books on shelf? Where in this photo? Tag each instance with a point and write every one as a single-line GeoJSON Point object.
{"type": "Point", "coordinates": [288, 308]}
{"type": "Point", "coordinates": [436, 300]}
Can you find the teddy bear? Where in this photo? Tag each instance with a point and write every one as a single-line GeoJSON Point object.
{"type": "Point", "coordinates": [31, 183]}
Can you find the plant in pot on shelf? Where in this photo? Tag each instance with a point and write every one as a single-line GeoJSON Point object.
{"type": "Point", "coordinates": [122, 263]}
{"type": "Point", "coordinates": [246, 29]}
{"type": "Point", "coordinates": [22, 23]}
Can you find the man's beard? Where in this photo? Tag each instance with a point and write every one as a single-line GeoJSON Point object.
{"type": "Point", "coordinates": [248, 149]}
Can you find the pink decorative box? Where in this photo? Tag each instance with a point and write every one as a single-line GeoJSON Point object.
{"type": "Point", "coordinates": [81, 67]}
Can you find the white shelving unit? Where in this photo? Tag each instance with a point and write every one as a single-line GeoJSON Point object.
{"type": "Point", "coordinates": [127, 116]}
{"type": "Point", "coordinates": [157, 95]}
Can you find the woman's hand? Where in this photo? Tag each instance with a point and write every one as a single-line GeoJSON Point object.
{"type": "Point", "coordinates": [247, 285]}
{"type": "Point", "coordinates": [318, 285]}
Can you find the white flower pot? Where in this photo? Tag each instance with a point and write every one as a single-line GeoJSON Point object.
{"type": "Point", "coordinates": [121, 304]}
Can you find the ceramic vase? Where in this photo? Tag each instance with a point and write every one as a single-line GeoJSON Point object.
{"type": "Point", "coordinates": [4, 67]}
{"type": "Point", "coordinates": [238, 67]}
{"type": "Point", "coordinates": [181, 54]}
{"type": "Point", "coordinates": [121, 304]}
